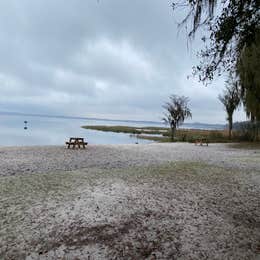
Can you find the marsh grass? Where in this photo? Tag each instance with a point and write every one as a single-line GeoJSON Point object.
{"type": "Point", "coordinates": [182, 135]}
{"type": "Point", "coordinates": [127, 129]}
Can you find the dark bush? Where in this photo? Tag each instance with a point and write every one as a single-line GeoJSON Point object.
{"type": "Point", "coordinates": [247, 131]}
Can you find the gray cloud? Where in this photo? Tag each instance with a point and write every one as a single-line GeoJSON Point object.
{"type": "Point", "coordinates": [116, 58]}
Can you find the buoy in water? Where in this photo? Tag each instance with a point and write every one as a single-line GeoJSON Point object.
{"type": "Point", "coordinates": [25, 125]}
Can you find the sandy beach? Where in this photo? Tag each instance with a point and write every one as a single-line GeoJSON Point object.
{"type": "Point", "coordinates": [149, 201]}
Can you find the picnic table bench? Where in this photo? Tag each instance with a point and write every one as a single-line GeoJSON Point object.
{"type": "Point", "coordinates": [200, 141]}
{"type": "Point", "coordinates": [76, 142]}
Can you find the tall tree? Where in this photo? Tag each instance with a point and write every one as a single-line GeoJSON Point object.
{"type": "Point", "coordinates": [232, 44]}
{"type": "Point", "coordinates": [248, 68]}
{"type": "Point", "coordinates": [249, 72]}
{"type": "Point", "coordinates": [230, 99]}
{"type": "Point", "coordinates": [177, 111]}
{"type": "Point", "coordinates": [230, 29]}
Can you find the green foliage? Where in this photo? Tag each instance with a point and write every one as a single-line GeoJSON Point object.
{"type": "Point", "coordinates": [233, 44]}
{"type": "Point", "coordinates": [248, 68]}
{"type": "Point", "coordinates": [247, 131]}
{"type": "Point", "coordinates": [128, 129]}
{"type": "Point", "coordinates": [181, 135]}
{"type": "Point", "coordinates": [191, 136]}
{"type": "Point", "coordinates": [234, 28]}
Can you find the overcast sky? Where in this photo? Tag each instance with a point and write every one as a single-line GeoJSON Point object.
{"type": "Point", "coordinates": [116, 59]}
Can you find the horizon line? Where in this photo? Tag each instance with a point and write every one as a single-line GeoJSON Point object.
{"type": "Point", "coordinates": [14, 113]}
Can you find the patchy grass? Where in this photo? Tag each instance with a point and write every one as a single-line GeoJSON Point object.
{"type": "Point", "coordinates": [247, 159]}
{"type": "Point", "coordinates": [182, 135]}
{"type": "Point", "coordinates": [246, 145]}
{"type": "Point", "coordinates": [161, 139]}
{"type": "Point", "coordinates": [127, 129]}
{"type": "Point", "coordinates": [175, 210]}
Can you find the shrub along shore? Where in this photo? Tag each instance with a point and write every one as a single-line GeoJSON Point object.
{"type": "Point", "coordinates": [162, 134]}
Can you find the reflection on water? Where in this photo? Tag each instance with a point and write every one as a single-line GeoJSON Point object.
{"type": "Point", "coordinates": [55, 131]}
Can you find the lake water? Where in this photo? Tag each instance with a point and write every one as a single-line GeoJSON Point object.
{"type": "Point", "coordinates": [55, 131]}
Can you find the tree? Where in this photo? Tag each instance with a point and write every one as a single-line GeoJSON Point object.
{"type": "Point", "coordinates": [248, 68]}
{"type": "Point", "coordinates": [231, 100]}
{"type": "Point", "coordinates": [177, 111]}
{"type": "Point", "coordinates": [233, 44]}
{"type": "Point", "coordinates": [233, 28]}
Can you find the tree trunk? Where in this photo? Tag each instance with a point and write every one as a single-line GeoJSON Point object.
{"type": "Point", "coordinates": [172, 134]}
{"type": "Point", "coordinates": [257, 132]}
{"type": "Point", "coordinates": [230, 126]}
{"type": "Point", "coordinates": [256, 128]}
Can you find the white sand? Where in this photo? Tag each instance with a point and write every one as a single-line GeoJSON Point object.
{"type": "Point", "coordinates": [156, 201]}
{"type": "Point", "coordinates": [20, 160]}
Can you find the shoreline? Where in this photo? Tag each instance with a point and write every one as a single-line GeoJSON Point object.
{"type": "Point", "coordinates": [162, 134]}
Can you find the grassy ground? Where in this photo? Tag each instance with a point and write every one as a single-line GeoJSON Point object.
{"type": "Point", "coordinates": [161, 139]}
{"type": "Point", "coordinates": [186, 135]}
{"type": "Point", "coordinates": [177, 210]}
{"type": "Point", "coordinates": [246, 145]}
{"type": "Point", "coordinates": [128, 129]}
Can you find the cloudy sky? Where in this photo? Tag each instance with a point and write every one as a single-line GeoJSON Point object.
{"type": "Point", "coordinates": [116, 59]}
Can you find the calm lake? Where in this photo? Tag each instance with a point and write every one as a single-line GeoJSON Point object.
{"type": "Point", "coordinates": [55, 131]}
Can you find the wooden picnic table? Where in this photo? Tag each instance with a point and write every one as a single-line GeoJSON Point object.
{"type": "Point", "coordinates": [76, 142]}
